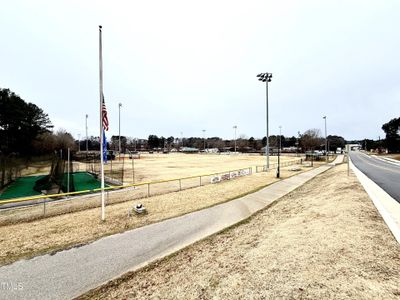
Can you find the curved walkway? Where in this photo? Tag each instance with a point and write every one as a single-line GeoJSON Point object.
{"type": "Point", "coordinates": [70, 273]}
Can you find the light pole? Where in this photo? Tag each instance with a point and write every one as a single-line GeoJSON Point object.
{"type": "Point", "coordinates": [204, 140]}
{"type": "Point", "coordinates": [235, 127]}
{"type": "Point", "coordinates": [279, 152]}
{"type": "Point", "coordinates": [119, 129]}
{"type": "Point", "coordinates": [298, 143]}
{"type": "Point", "coordinates": [266, 77]}
{"type": "Point", "coordinates": [87, 141]}
{"type": "Point", "coordinates": [326, 142]}
{"type": "Point", "coordinates": [181, 139]}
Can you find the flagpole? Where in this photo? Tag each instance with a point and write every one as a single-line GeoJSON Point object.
{"type": "Point", "coordinates": [101, 126]}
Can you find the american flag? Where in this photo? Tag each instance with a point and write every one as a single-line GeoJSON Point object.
{"type": "Point", "coordinates": [104, 113]}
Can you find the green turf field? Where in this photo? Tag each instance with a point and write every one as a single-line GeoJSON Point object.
{"type": "Point", "coordinates": [23, 186]}
{"type": "Point", "coordinates": [85, 181]}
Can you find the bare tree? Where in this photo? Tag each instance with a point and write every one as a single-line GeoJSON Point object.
{"type": "Point", "coordinates": [311, 139]}
{"type": "Point", "coordinates": [64, 140]}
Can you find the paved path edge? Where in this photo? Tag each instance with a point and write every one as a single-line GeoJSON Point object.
{"type": "Point", "coordinates": [174, 250]}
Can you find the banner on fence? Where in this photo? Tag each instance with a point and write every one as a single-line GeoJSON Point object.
{"type": "Point", "coordinates": [230, 175]}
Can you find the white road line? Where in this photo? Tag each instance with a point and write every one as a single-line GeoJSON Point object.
{"type": "Point", "coordinates": [369, 161]}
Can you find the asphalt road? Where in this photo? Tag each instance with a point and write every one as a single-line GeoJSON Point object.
{"type": "Point", "coordinates": [384, 174]}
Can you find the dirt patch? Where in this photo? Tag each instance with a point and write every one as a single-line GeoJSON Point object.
{"type": "Point", "coordinates": [28, 239]}
{"type": "Point", "coordinates": [324, 240]}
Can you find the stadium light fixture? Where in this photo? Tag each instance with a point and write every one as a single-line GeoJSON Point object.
{"type": "Point", "coordinates": [266, 77]}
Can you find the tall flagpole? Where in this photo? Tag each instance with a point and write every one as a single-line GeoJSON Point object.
{"type": "Point", "coordinates": [101, 126]}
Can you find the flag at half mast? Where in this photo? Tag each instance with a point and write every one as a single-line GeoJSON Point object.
{"type": "Point", "coordinates": [105, 128]}
{"type": "Point", "coordinates": [104, 115]}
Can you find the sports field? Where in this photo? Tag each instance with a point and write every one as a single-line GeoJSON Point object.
{"type": "Point", "coordinates": [151, 167]}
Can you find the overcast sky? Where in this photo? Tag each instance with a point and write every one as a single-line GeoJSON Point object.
{"type": "Point", "coordinates": [184, 66]}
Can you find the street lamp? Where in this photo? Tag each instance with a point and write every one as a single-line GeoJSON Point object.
{"type": "Point", "coordinates": [279, 152]}
{"type": "Point", "coordinates": [266, 77]}
{"type": "Point", "coordinates": [235, 127]}
{"type": "Point", "coordinates": [204, 139]}
{"type": "Point", "coordinates": [326, 142]}
{"type": "Point", "coordinates": [119, 128]}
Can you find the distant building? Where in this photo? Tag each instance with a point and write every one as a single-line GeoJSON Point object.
{"type": "Point", "coordinates": [212, 150]}
{"type": "Point", "coordinates": [189, 150]}
{"type": "Point", "coordinates": [354, 147]}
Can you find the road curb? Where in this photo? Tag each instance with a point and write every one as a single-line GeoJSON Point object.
{"type": "Point", "coordinates": [388, 207]}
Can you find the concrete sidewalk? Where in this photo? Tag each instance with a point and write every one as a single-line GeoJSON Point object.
{"type": "Point", "coordinates": [70, 273]}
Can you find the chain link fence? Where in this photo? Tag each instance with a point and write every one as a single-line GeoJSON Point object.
{"type": "Point", "coordinates": [36, 207]}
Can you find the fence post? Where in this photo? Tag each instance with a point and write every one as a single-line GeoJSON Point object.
{"type": "Point", "coordinates": [148, 190]}
{"type": "Point", "coordinates": [44, 206]}
{"type": "Point", "coordinates": [200, 180]}
{"type": "Point", "coordinates": [180, 184]}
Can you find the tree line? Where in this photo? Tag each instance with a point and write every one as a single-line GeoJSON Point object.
{"type": "Point", "coordinates": [26, 130]}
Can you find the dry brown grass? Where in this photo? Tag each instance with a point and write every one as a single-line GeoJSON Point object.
{"type": "Point", "coordinates": [322, 241]}
{"type": "Point", "coordinates": [149, 168]}
{"type": "Point", "coordinates": [395, 156]}
{"type": "Point", "coordinates": [29, 239]}
{"type": "Point", "coordinates": [152, 167]}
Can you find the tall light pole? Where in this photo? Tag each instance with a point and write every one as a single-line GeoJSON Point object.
{"type": "Point", "coordinates": [266, 77]}
{"type": "Point", "coordinates": [326, 142]}
{"type": "Point", "coordinates": [298, 143]}
{"type": "Point", "coordinates": [204, 139]}
{"type": "Point", "coordinates": [235, 127]}
{"type": "Point", "coordinates": [181, 139]}
{"type": "Point", "coordinates": [87, 140]}
{"type": "Point", "coordinates": [119, 128]}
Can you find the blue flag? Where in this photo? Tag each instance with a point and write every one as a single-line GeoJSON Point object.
{"type": "Point", "coordinates": [104, 147]}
